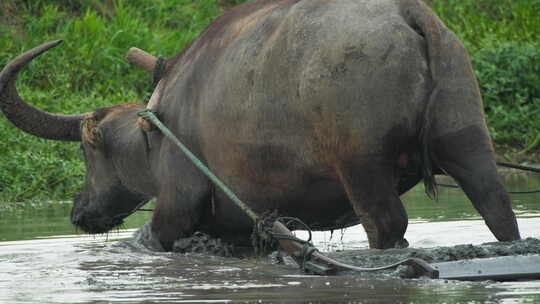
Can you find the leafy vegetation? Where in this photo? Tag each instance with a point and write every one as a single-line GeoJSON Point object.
{"type": "Point", "coordinates": [89, 70]}
{"type": "Point", "coordinates": [503, 38]}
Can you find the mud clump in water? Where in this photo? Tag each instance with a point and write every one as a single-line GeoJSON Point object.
{"type": "Point", "coordinates": [203, 243]}
{"type": "Point", "coordinates": [198, 243]}
{"type": "Point", "coordinates": [145, 237]}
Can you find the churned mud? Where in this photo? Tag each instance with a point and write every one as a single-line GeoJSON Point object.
{"type": "Point", "coordinates": [204, 244]}
{"type": "Point", "coordinates": [145, 238]}
{"type": "Point", "coordinates": [375, 258]}
{"type": "Point", "coordinates": [199, 242]}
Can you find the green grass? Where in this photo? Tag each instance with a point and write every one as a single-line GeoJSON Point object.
{"type": "Point", "coordinates": [89, 70]}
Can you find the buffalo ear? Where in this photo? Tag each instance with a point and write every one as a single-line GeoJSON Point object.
{"type": "Point", "coordinates": [91, 132]}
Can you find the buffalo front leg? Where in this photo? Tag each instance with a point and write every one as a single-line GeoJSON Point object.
{"type": "Point", "coordinates": [372, 193]}
{"type": "Point", "coordinates": [184, 192]}
{"type": "Point", "coordinates": [177, 215]}
{"type": "Point", "coordinates": [467, 156]}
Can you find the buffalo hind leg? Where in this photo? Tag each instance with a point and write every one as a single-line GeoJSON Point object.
{"type": "Point", "coordinates": [372, 193]}
{"type": "Point", "coordinates": [467, 156]}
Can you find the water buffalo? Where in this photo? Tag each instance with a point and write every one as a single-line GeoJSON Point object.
{"type": "Point", "coordinates": [322, 110]}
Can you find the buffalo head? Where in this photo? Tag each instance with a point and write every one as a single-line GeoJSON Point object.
{"type": "Point", "coordinates": [113, 148]}
{"type": "Point", "coordinates": [108, 196]}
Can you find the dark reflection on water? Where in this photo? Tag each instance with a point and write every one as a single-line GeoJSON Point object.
{"type": "Point", "coordinates": [38, 268]}
{"type": "Point", "coordinates": [452, 204]}
{"type": "Point", "coordinates": [34, 220]}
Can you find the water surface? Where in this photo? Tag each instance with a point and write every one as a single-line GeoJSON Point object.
{"type": "Point", "coordinates": [44, 260]}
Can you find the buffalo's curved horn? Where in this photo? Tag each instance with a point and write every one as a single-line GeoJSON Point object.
{"type": "Point", "coordinates": [142, 59]}
{"type": "Point", "coordinates": [28, 118]}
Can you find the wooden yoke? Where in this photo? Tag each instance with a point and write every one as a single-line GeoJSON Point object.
{"type": "Point", "coordinates": [146, 62]}
{"type": "Point", "coordinates": [141, 59]}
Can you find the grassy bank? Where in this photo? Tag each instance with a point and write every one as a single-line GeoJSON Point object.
{"type": "Point", "coordinates": [503, 38]}
{"type": "Point", "coordinates": [88, 70]}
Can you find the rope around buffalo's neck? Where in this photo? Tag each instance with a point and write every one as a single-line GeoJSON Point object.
{"type": "Point", "coordinates": [149, 115]}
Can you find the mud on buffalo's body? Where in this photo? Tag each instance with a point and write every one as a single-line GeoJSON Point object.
{"type": "Point", "coordinates": [323, 110]}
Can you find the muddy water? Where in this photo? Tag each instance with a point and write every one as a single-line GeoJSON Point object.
{"type": "Point", "coordinates": [44, 260]}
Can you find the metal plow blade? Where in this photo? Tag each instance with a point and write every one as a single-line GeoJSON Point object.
{"type": "Point", "coordinates": [498, 269]}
